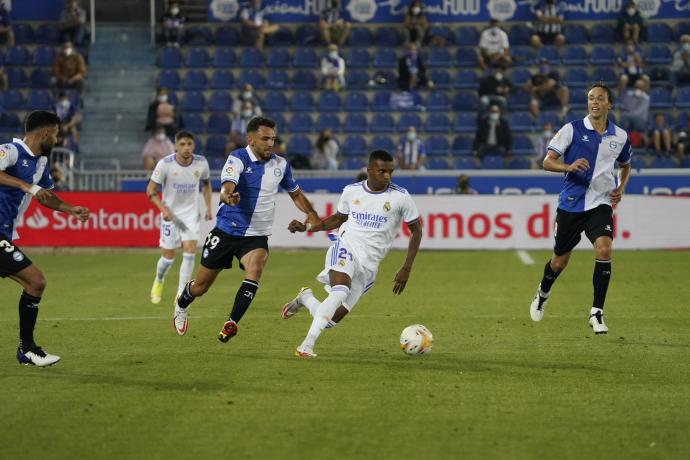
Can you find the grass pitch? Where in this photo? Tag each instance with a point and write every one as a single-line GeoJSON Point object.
{"type": "Point", "coordinates": [495, 386]}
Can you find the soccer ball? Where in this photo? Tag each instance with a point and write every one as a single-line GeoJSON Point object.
{"type": "Point", "coordinates": [416, 340]}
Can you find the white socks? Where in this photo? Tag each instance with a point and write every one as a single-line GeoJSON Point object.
{"type": "Point", "coordinates": [162, 268]}
{"type": "Point", "coordinates": [186, 269]}
{"type": "Point", "coordinates": [324, 313]}
{"type": "Point", "coordinates": [312, 303]}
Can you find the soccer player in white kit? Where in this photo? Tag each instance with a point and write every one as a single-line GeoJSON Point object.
{"type": "Point", "coordinates": [369, 214]}
{"type": "Point", "coordinates": [179, 175]}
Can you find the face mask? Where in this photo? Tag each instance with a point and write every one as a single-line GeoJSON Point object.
{"type": "Point", "coordinates": [160, 136]}
{"type": "Point", "coordinates": [68, 51]}
{"type": "Point", "coordinates": [163, 98]}
{"type": "Point", "coordinates": [638, 92]}
{"type": "Point", "coordinates": [333, 54]}
{"type": "Point", "coordinates": [547, 133]}
{"type": "Point", "coordinates": [411, 136]}
{"type": "Point", "coordinates": [686, 46]}
{"type": "Point", "coordinates": [247, 95]}
{"type": "Point", "coordinates": [493, 116]}
{"type": "Point", "coordinates": [499, 76]}
{"type": "Point", "coordinates": [65, 105]}
{"type": "Point", "coordinates": [630, 11]}
{"type": "Point", "coordinates": [174, 11]}
{"type": "Point", "coordinates": [416, 10]}
{"type": "Point", "coordinates": [247, 113]}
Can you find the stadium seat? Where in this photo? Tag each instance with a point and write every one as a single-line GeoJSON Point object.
{"type": "Point", "coordinates": [573, 115]}
{"type": "Point", "coordinates": [682, 28]}
{"type": "Point", "coordinates": [521, 56]}
{"type": "Point", "coordinates": [383, 143]}
{"type": "Point", "coordinates": [437, 123]}
{"type": "Point", "coordinates": [356, 101]}
{"type": "Point", "coordinates": [220, 101]}
{"type": "Point", "coordinates": [385, 79]}
{"type": "Point", "coordinates": [519, 76]}
{"type": "Point", "coordinates": [193, 101]}
{"type": "Point", "coordinates": [549, 117]}
{"type": "Point", "coordinates": [603, 33]}
{"type": "Point", "coordinates": [663, 163]}
{"type": "Point", "coordinates": [47, 34]}
{"type": "Point", "coordinates": [277, 79]}
{"type": "Point", "coordinates": [39, 99]}
{"type": "Point", "coordinates": [466, 101]}
{"type": "Point", "coordinates": [605, 74]}
{"type": "Point", "coordinates": [354, 146]}
{"type": "Point", "coordinates": [576, 77]}
{"type": "Point", "coordinates": [522, 145]}
{"type": "Point", "coordinates": [305, 58]}
{"type": "Point", "coordinates": [436, 163]}
{"type": "Point", "coordinates": [465, 123]}
{"type": "Point", "coordinates": [519, 35]}
{"type": "Point", "coordinates": [10, 123]}
{"type": "Point", "coordinates": [358, 57]}
{"type": "Point", "coordinates": [299, 145]}
{"type": "Point", "coordinates": [437, 146]}
{"type": "Point", "coordinates": [224, 58]}
{"type": "Point", "coordinates": [195, 80]}
{"type": "Point", "coordinates": [198, 36]}
{"type": "Point", "coordinates": [464, 163]}
{"type": "Point", "coordinates": [170, 57]}
{"type": "Point", "coordinates": [18, 56]}
{"type": "Point", "coordinates": [387, 36]}
{"type": "Point", "coordinates": [466, 36]}
{"type": "Point", "coordinates": [283, 37]}
{"type": "Point", "coordinates": [222, 79]}
{"type": "Point", "coordinates": [44, 56]}
{"type": "Point", "coordinates": [17, 78]}
{"type": "Point", "coordinates": [682, 120]}
{"type": "Point", "coordinates": [603, 55]}
{"type": "Point", "coordinates": [172, 98]}
{"type": "Point", "coordinates": [278, 57]}
{"type": "Point", "coordinates": [658, 54]}
{"type": "Point", "coordinates": [659, 33]}
{"type": "Point", "coordinates": [357, 78]}
{"type": "Point", "coordinates": [275, 102]}
{"type": "Point", "coordinates": [215, 144]}
{"type": "Point", "coordinates": [519, 100]}
{"type": "Point", "coordinates": [441, 79]}
{"type": "Point", "coordinates": [684, 162]}
{"type": "Point", "coordinates": [382, 101]}
{"type": "Point", "coordinates": [355, 123]}
{"type": "Point", "coordinates": [193, 122]}
{"type": "Point", "coordinates": [23, 34]}
{"type": "Point", "coordinates": [353, 163]}
{"type": "Point", "coordinates": [328, 120]}
{"type": "Point", "coordinates": [226, 36]}
{"type": "Point", "coordinates": [438, 101]}
{"type": "Point", "coordinates": [385, 57]}
{"type": "Point", "coordinates": [520, 121]}
{"type": "Point", "coordinates": [215, 162]}
{"type": "Point", "coordinates": [576, 34]}
{"type": "Point", "coordinates": [382, 123]}
{"type": "Point", "coordinates": [304, 79]}
{"type": "Point", "coordinates": [218, 123]}
{"type": "Point", "coordinates": [329, 101]}
{"type": "Point", "coordinates": [168, 78]}
{"type": "Point", "coordinates": [660, 98]}
{"type": "Point", "coordinates": [659, 75]}
{"type": "Point", "coordinates": [300, 123]}
{"type": "Point", "coordinates": [360, 36]}
{"type": "Point", "coordinates": [306, 36]}
{"type": "Point", "coordinates": [40, 78]}
{"type": "Point", "coordinates": [520, 163]}
{"type": "Point", "coordinates": [409, 119]}
{"type": "Point", "coordinates": [492, 162]}
{"type": "Point", "coordinates": [466, 79]}
{"type": "Point", "coordinates": [440, 31]}
{"type": "Point", "coordinates": [439, 57]}
{"type": "Point", "coordinates": [251, 57]}
{"type": "Point", "coordinates": [466, 57]}
{"type": "Point", "coordinates": [253, 77]}
{"type": "Point", "coordinates": [550, 53]}
{"type": "Point", "coordinates": [302, 101]}
{"type": "Point", "coordinates": [639, 162]}
{"type": "Point", "coordinates": [575, 55]}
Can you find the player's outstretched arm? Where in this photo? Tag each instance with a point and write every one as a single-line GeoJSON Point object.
{"type": "Point", "coordinates": [400, 280]}
{"type": "Point", "coordinates": [303, 204]}
{"type": "Point", "coordinates": [228, 195]}
{"type": "Point", "coordinates": [330, 223]}
{"type": "Point", "coordinates": [206, 192]}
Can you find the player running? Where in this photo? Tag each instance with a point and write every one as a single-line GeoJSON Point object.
{"type": "Point", "coordinates": [369, 215]}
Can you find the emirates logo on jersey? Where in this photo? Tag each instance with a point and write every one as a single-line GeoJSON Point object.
{"type": "Point", "coordinates": [387, 206]}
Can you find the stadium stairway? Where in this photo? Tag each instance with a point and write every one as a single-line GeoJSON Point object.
{"type": "Point", "coordinates": [121, 70]}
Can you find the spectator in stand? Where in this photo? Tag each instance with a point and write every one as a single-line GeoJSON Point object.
{"type": "Point", "coordinates": [162, 113]}
{"type": "Point", "coordinates": [73, 23]}
{"type": "Point", "coordinates": [326, 150]}
{"type": "Point", "coordinates": [333, 29]}
{"type": "Point", "coordinates": [660, 136]}
{"type": "Point", "coordinates": [631, 64]}
{"type": "Point", "coordinates": [415, 24]}
{"type": "Point", "coordinates": [494, 89]}
{"type": "Point", "coordinates": [549, 26]}
{"type": "Point", "coordinates": [463, 187]}
{"type": "Point", "coordinates": [69, 115]}
{"type": "Point", "coordinates": [545, 90]}
{"type": "Point", "coordinates": [543, 140]}
{"type": "Point", "coordinates": [279, 147]}
{"type": "Point", "coordinates": [635, 108]}
{"type": "Point", "coordinates": [680, 68]}
{"type": "Point", "coordinates": [493, 47]}
{"type": "Point", "coordinates": [6, 32]}
{"type": "Point", "coordinates": [493, 136]}
{"type": "Point", "coordinates": [58, 176]}
{"type": "Point", "coordinates": [412, 70]}
{"type": "Point", "coordinates": [156, 148]}
{"type": "Point", "coordinates": [630, 24]}
{"type": "Point", "coordinates": [333, 69]}
{"type": "Point", "coordinates": [69, 69]}
{"type": "Point", "coordinates": [238, 127]}
{"type": "Point", "coordinates": [683, 141]}
{"type": "Point", "coordinates": [411, 151]}
{"type": "Point", "coordinates": [246, 95]}
{"type": "Point", "coordinates": [3, 79]}
{"type": "Point", "coordinates": [173, 25]}
{"type": "Point", "coordinates": [254, 26]}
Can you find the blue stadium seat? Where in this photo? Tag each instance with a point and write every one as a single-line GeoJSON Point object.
{"type": "Point", "coordinates": [465, 123]}
{"type": "Point", "coordinates": [409, 119]}
{"type": "Point", "coordinates": [439, 57]}
{"type": "Point", "coordinates": [520, 121]}
{"type": "Point", "coordinates": [520, 163]}
{"type": "Point", "coordinates": [659, 33]}
{"type": "Point", "coordinates": [492, 162]}
{"type": "Point", "coordinates": [385, 79]}
{"type": "Point", "coordinates": [220, 101]}
{"type": "Point", "coordinates": [575, 55]}
{"type": "Point", "coordinates": [383, 143]}
{"type": "Point", "coordinates": [358, 57]}
{"type": "Point", "coordinates": [684, 162]}
{"type": "Point", "coordinates": [659, 75]}
{"type": "Point", "coordinates": [198, 36]}
{"type": "Point", "coordinates": [577, 77]}
{"type": "Point", "coordinates": [215, 144]}
{"type": "Point", "coordinates": [327, 120]}
{"type": "Point", "coordinates": [519, 35]}
{"type": "Point", "coordinates": [438, 101]}
{"type": "Point", "coordinates": [682, 28]}
{"type": "Point", "coordinates": [682, 121]}
{"type": "Point", "coordinates": [218, 123]}
{"type": "Point", "coordinates": [47, 34]}
{"type": "Point", "coordinates": [382, 101]}
{"type": "Point", "coordinates": [227, 36]}
{"type": "Point", "coordinates": [283, 37]}
{"type": "Point", "coordinates": [329, 101]}
{"type": "Point", "coordinates": [23, 34]}
{"type": "Point", "coordinates": [275, 101]}
{"type": "Point", "coordinates": [353, 163]}
{"type": "Point", "coordinates": [278, 57]}
{"type": "Point", "coordinates": [518, 77]}
{"type": "Point", "coordinates": [518, 101]}
{"type": "Point", "coordinates": [437, 123]}
{"type": "Point", "coordinates": [306, 36]}
{"type": "Point", "coordinates": [441, 31]}
{"type": "Point", "coordinates": [354, 146]}
{"type": "Point", "coordinates": [603, 55]}
{"type": "Point", "coordinates": [10, 123]}
{"type": "Point", "coordinates": [603, 33]}
{"type": "Point", "coordinates": [172, 98]}
{"type": "Point", "coordinates": [663, 163]}
{"type": "Point", "coordinates": [277, 79]}
{"type": "Point", "coordinates": [300, 123]}
{"type": "Point", "coordinates": [669, 120]}
{"type": "Point", "coordinates": [40, 78]}
{"type": "Point", "coordinates": [437, 146]}
{"type": "Point", "coordinates": [357, 78]}
{"type": "Point", "coordinates": [305, 58]}
{"type": "Point", "coordinates": [360, 36]}
{"type": "Point", "coordinates": [16, 78]}
{"type": "Point", "coordinates": [193, 101]}
{"type": "Point", "coordinates": [522, 145]}
{"type": "Point", "coordinates": [168, 78]}
{"type": "Point", "coordinates": [195, 80]}
{"type": "Point", "coordinates": [387, 36]}
{"type": "Point", "coordinates": [302, 101]}
{"type": "Point", "coordinates": [466, 57]}
{"type": "Point", "coordinates": [299, 145]}
{"type": "Point", "coordinates": [441, 78]}
{"type": "Point", "coordinates": [193, 122]}
{"type": "Point", "coordinates": [658, 54]}
{"type": "Point", "coordinates": [436, 163]}
{"type": "Point", "coordinates": [466, 36]}
{"type": "Point", "coordinates": [222, 79]}
{"type": "Point", "coordinates": [304, 79]}
{"type": "Point", "coordinates": [39, 99]}
{"type": "Point", "coordinates": [466, 101]}
{"type": "Point", "coordinates": [522, 56]}
{"type": "Point", "coordinates": [385, 57]}
{"type": "Point", "coordinates": [169, 57]}
{"type": "Point", "coordinates": [466, 79]}
{"type": "Point", "coordinates": [576, 34]}
{"type": "Point", "coordinates": [549, 117]}
{"type": "Point", "coordinates": [44, 56]}
{"type": "Point", "coordinates": [638, 162]}
{"type": "Point", "coordinates": [251, 57]}
{"type": "Point", "coordinates": [382, 123]}
{"type": "Point", "coordinates": [224, 58]}
{"type": "Point", "coordinates": [215, 162]}
{"type": "Point", "coordinates": [279, 119]}
{"type": "Point", "coordinates": [549, 53]}
{"type": "Point", "coordinates": [464, 163]}
{"type": "Point", "coordinates": [605, 74]}
{"type": "Point", "coordinates": [18, 55]}
{"type": "Point", "coordinates": [253, 77]}
{"type": "Point", "coordinates": [356, 101]}
{"type": "Point", "coordinates": [660, 98]}
{"type": "Point", "coordinates": [573, 115]}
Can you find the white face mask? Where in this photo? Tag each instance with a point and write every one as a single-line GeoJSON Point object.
{"type": "Point", "coordinates": [160, 136]}
{"type": "Point", "coordinates": [493, 116]}
{"type": "Point", "coordinates": [638, 92]}
{"type": "Point", "coordinates": [411, 136]}
{"type": "Point", "coordinates": [174, 11]}
{"type": "Point", "coordinates": [247, 95]}
{"type": "Point", "coordinates": [499, 76]}
{"type": "Point", "coordinates": [68, 51]}
{"type": "Point", "coordinates": [416, 10]}
{"type": "Point", "coordinates": [247, 113]}
{"type": "Point", "coordinates": [65, 105]}
{"type": "Point", "coordinates": [547, 133]}
{"type": "Point", "coordinates": [630, 11]}
{"type": "Point", "coordinates": [333, 54]}
{"type": "Point", "coordinates": [163, 98]}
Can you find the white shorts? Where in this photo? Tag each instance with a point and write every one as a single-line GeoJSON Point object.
{"type": "Point", "coordinates": [174, 232]}
{"type": "Point", "coordinates": [340, 259]}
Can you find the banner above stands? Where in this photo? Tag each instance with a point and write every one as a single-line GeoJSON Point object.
{"type": "Point", "coordinates": [393, 11]}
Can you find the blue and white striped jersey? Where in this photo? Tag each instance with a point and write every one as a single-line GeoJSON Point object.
{"type": "Point", "coordinates": [17, 160]}
{"type": "Point", "coordinates": [583, 191]}
{"type": "Point", "coordinates": [257, 183]}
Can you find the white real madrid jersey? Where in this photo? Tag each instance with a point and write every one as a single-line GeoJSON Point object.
{"type": "Point", "coordinates": [180, 184]}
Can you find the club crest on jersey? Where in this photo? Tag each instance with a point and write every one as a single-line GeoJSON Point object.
{"type": "Point", "coordinates": [356, 202]}
{"type": "Point", "coordinates": [229, 170]}
{"type": "Point", "coordinates": [387, 206]}
{"type": "Point", "coordinates": [277, 172]}
{"type": "Point", "coordinates": [18, 256]}
{"type": "Point", "coordinates": [613, 145]}
{"type": "Point", "coordinates": [341, 263]}
{"type": "Point", "coordinates": [3, 153]}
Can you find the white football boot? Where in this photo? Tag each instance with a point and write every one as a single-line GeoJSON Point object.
{"type": "Point", "coordinates": [36, 356]}
{"type": "Point", "coordinates": [180, 319]}
{"type": "Point", "coordinates": [293, 306]}
{"type": "Point", "coordinates": [536, 309]}
{"type": "Point", "coordinates": [596, 322]}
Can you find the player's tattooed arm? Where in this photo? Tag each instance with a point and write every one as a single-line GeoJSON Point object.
{"type": "Point", "coordinates": [330, 223]}
{"type": "Point", "coordinates": [228, 195]}
{"type": "Point", "coordinates": [400, 280]}
{"type": "Point", "coordinates": [50, 200]}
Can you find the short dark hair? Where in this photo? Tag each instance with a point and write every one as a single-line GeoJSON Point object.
{"type": "Point", "coordinates": [255, 122]}
{"type": "Point", "coordinates": [184, 134]}
{"type": "Point", "coordinates": [380, 155]}
{"type": "Point", "coordinates": [601, 84]}
{"type": "Point", "coordinates": [40, 119]}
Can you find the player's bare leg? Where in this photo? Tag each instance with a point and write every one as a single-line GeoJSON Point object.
{"type": "Point", "coordinates": [600, 282]}
{"type": "Point", "coordinates": [195, 288]}
{"type": "Point", "coordinates": [162, 267]}
{"type": "Point", "coordinates": [552, 269]}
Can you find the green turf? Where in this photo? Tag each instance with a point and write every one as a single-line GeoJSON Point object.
{"type": "Point", "coordinates": [495, 386]}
